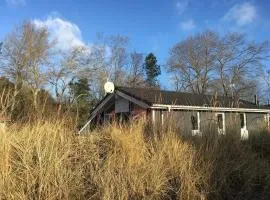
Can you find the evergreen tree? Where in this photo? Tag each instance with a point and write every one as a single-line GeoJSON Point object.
{"type": "Point", "coordinates": [81, 99]}
{"type": "Point", "coordinates": [152, 70]}
{"type": "Point", "coordinates": [80, 90]}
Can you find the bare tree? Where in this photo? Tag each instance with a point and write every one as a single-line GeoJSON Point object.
{"type": "Point", "coordinates": [266, 88]}
{"type": "Point", "coordinates": [194, 61]}
{"type": "Point", "coordinates": [14, 60]}
{"type": "Point", "coordinates": [59, 76]}
{"type": "Point", "coordinates": [116, 57]}
{"type": "Point", "coordinates": [92, 65]}
{"type": "Point", "coordinates": [238, 62]}
{"type": "Point", "coordinates": [80, 62]}
{"type": "Point", "coordinates": [37, 52]}
{"type": "Point", "coordinates": [1, 45]}
{"type": "Point", "coordinates": [136, 75]}
{"type": "Point", "coordinates": [179, 85]}
{"type": "Point", "coordinates": [227, 65]}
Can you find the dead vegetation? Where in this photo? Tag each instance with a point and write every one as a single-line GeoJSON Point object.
{"type": "Point", "coordinates": [47, 160]}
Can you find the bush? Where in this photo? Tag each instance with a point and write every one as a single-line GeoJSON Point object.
{"type": "Point", "coordinates": [236, 170]}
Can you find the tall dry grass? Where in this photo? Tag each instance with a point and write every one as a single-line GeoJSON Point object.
{"type": "Point", "coordinates": [35, 163]}
{"type": "Point", "coordinates": [47, 160]}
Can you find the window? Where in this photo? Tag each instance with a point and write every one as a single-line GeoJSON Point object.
{"type": "Point", "coordinates": [221, 123]}
{"type": "Point", "coordinates": [162, 117]}
{"type": "Point", "coordinates": [195, 123]}
{"type": "Point", "coordinates": [267, 120]}
{"type": "Point", "coordinates": [242, 120]}
{"type": "Point", "coordinates": [108, 118]}
{"type": "Point", "coordinates": [243, 123]}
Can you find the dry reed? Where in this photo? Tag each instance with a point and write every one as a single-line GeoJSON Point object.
{"type": "Point", "coordinates": [47, 160]}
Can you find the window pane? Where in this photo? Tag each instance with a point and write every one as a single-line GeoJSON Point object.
{"type": "Point", "coordinates": [242, 120]}
{"type": "Point", "coordinates": [194, 122]}
{"type": "Point", "coordinates": [220, 121]}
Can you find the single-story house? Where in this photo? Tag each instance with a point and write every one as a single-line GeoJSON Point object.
{"type": "Point", "coordinates": [189, 112]}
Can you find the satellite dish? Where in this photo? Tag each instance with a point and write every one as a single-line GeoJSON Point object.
{"type": "Point", "coordinates": [109, 87]}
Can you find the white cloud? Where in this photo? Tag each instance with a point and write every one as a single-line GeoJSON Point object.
{"type": "Point", "coordinates": [187, 25]}
{"type": "Point", "coordinates": [66, 33]}
{"type": "Point", "coordinates": [241, 14]}
{"type": "Point", "coordinates": [16, 2]}
{"type": "Point", "coordinates": [158, 41]}
{"type": "Point", "coordinates": [181, 6]}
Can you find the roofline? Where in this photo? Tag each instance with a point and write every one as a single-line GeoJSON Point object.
{"type": "Point", "coordinates": [96, 110]}
{"type": "Point", "coordinates": [132, 99]}
{"type": "Point", "coordinates": [106, 99]}
{"type": "Point", "coordinates": [242, 101]}
{"type": "Point", "coordinates": [127, 95]}
{"type": "Point", "coordinates": [203, 108]}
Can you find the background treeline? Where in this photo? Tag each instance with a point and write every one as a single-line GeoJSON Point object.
{"type": "Point", "coordinates": [40, 79]}
{"type": "Point", "coordinates": [228, 64]}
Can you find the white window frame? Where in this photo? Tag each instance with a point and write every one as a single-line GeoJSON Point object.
{"type": "Point", "coordinates": [223, 130]}
{"type": "Point", "coordinates": [197, 131]}
{"type": "Point", "coordinates": [162, 117]}
{"type": "Point", "coordinates": [153, 116]}
{"type": "Point", "coordinates": [244, 131]}
{"type": "Point", "coordinates": [267, 120]}
{"type": "Point", "coordinates": [245, 120]}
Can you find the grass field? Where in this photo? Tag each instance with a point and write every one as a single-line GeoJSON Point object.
{"type": "Point", "coordinates": [47, 160]}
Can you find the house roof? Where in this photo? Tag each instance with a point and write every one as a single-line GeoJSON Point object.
{"type": "Point", "coordinates": [152, 96]}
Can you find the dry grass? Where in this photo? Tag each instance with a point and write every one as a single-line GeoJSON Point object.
{"type": "Point", "coordinates": [46, 160]}
{"type": "Point", "coordinates": [35, 163]}
{"type": "Point", "coordinates": [129, 167]}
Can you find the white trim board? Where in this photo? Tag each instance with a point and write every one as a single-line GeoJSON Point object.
{"type": "Point", "coordinates": [96, 111]}
{"type": "Point", "coordinates": [132, 99]}
{"type": "Point", "coordinates": [197, 131]}
{"type": "Point", "coordinates": [214, 109]}
{"type": "Point", "coordinates": [223, 130]}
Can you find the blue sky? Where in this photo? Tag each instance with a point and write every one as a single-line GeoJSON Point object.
{"type": "Point", "coordinates": [152, 25]}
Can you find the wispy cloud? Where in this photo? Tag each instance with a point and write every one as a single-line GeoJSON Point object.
{"type": "Point", "coordinates": [158, 41]}
{"type": "Point", "coordinates": [187, 25]}
{"type": "Point", "coordinates": [241, 14]}
{"type": "Point", "coordinates": [16, 2]}
{"type": "Point", "coordinates": [181, 6]}
{"type": "Point", "coordinates": [66, 33]}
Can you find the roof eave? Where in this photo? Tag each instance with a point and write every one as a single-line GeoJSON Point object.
{"type": "Point", "coordinates": [204, 108]}
{"type": "Point", "coordinates": [141, 103]}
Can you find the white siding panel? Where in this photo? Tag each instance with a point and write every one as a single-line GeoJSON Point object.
{"type": "Point", "coordinates": [121, 105]}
